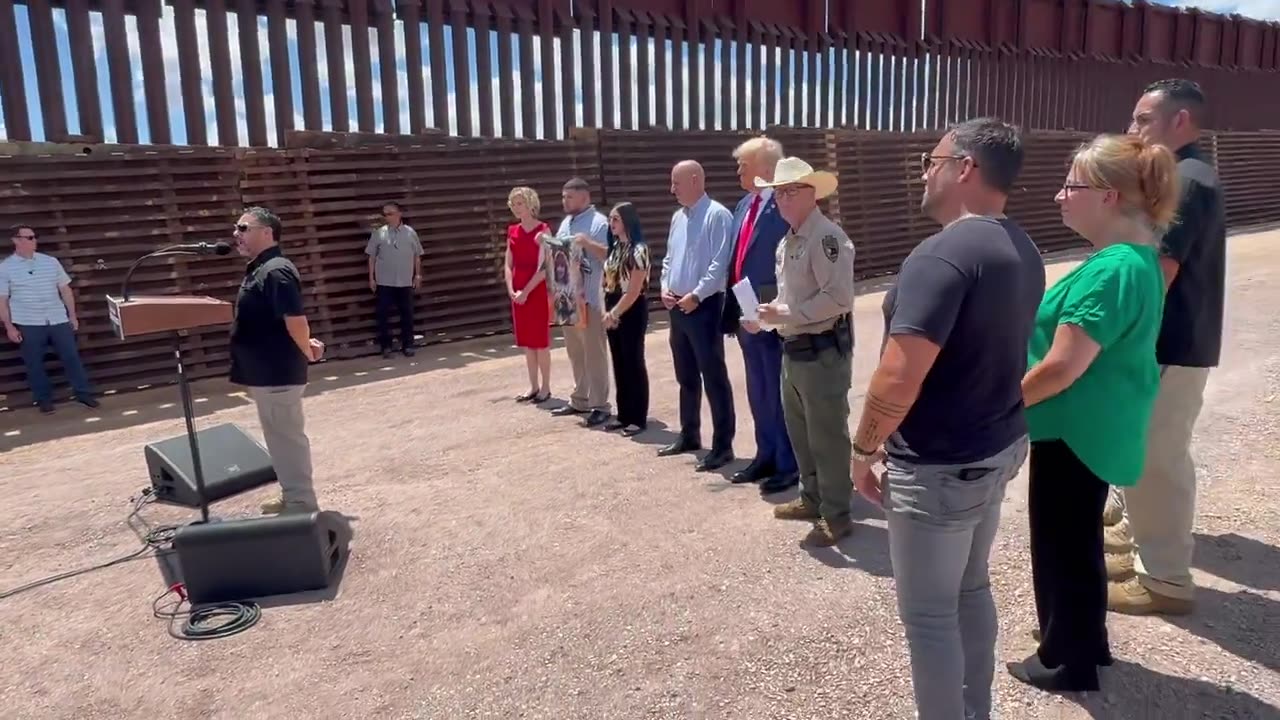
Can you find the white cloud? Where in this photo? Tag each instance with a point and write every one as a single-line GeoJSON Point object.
{"type": "Point", "coordinates": [1256, 9]}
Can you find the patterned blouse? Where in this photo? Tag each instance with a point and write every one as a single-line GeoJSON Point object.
{"type": "Point", "coordinates": [625, 258]}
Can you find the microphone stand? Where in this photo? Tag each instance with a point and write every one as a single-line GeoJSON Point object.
{"type": "Point", "coordinates": [184, 387]}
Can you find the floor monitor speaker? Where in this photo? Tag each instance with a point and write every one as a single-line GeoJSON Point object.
{"type": "Point", "coordinates": [232, 463]}
{"type": "Point", "coordinates": [232, 560]}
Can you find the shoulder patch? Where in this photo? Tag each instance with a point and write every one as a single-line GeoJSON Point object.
{"type": "Point", "coordinates": [831, 247]}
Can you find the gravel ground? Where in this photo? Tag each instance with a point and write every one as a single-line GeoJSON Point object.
{"type": "Point", "coordinates": [510, 564]}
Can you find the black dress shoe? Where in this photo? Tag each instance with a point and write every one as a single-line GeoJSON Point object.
{"type": "Point", "coordinates": [46, 408]}
{"type": "Point", "coordinates": [407, 352]}
{"type": "Point", "coordinates": [614, 425]}
{"type": "Point", "coordinates": [714, 460]}
{"type": "Point", "coordinates": [597, 417]}
{"type": "Point", "coordinates": [780, 482]}
{"type": "Point", "coordinates": [633, 430]}
{"type": "Point", "coordinates": [87, 401]}
{"type": "Point", "coordinates": [567, 410]}
{"type": "Point", "coordinates": [1058, 679]}
{"type": "Point", "coordinates": [755, 470]}
{"type": "Point", "coordinates": [679, 446]}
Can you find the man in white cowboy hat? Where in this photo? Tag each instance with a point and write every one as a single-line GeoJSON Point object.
{"type": "Point", "coordinates": [812, 314]}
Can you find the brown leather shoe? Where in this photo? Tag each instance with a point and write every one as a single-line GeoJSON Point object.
{"type": "Point", "coordinates": [1131, 597]}
{"type": "Point", "coordinates": [1119, 566]}
{"type": "Point", "coordinates": [797, 509]}
{"type": "Point", "coordinates": [826, 534]}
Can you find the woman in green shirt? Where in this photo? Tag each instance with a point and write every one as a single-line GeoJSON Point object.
{"type": "Point", "coordinates": [1092, 382]}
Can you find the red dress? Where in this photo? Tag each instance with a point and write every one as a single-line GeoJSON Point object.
{"type": "Point", "coordinates": [532, 320]}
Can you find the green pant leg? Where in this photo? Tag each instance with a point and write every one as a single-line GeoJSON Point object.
{"type": "Point", "coordinates": [793, 413]}
{"type": "Point", "coordinates": [824, 386]}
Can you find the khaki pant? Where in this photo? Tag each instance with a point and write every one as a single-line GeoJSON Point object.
{"type": "Point", "coordinates": [1160, 510]}
{"type": "Point", "coordinates": [284, 429]}
{"type": "Point", "coordinates": [589, 358]}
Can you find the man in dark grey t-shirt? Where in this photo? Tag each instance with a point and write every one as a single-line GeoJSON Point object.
{"type": "Point", "coordinates": [946, 404]}
{"type": "Point", "coordinates": [1151, 544]}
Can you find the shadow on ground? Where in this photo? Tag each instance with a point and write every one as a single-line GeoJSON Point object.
{"type": "Point", "coordinates": [1134, 692]}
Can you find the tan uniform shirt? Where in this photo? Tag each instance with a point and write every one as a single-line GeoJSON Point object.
{"type": "Point", "coordinates": [815, 275]}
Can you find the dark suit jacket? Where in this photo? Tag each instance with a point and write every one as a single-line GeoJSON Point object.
{"type": "Point", "coordinates": [760, 262]}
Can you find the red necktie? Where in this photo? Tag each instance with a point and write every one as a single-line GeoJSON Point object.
{"type": "Point", "coordinates": [744, 236]}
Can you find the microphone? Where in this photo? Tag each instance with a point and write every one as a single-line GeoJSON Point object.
{"type": "Point", "coordinates": [200, 248]}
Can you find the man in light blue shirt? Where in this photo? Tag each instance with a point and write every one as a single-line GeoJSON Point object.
{"type": "Point", "coordinates": [693, 289]}
{"type": "Point", "coordinates": [588, 346]}
{"type": "Point", "coordinates": [38, 309]}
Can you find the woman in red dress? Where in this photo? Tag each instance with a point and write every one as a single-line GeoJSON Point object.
{"type": "Point", "coordinates": [527, 286]}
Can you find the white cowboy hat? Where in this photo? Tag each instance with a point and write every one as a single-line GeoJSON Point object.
{"type": "Point", "coordinates": [794, 170]}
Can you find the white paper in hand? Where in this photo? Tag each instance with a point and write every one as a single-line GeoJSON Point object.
{"type": "Point", "coordinates": [747, 300]}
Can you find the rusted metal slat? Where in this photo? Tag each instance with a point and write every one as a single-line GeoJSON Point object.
{"type": "Point", "coordinates": [334, 55]}
{"type": "Point", "coordinates": [708, 59]}
{"type": "Point", "coordinates": [586, 20]}
{"type": "Point", "coordinates": [770, 87]}
{"type": "Point", "coordinates": [281, 78]}
{"type": "Point", "coordinates": [697, 58]}
{"type": "Point", "coordinates": [410, 12]}
{"type": "Point", "coordinates": [786, 97]}
{"type": "Point", "coordinates": [49, 70]}
{"type": "Point", "coordinates": [678, 95]}
{"type": "Point", "coordinates": [814, 85]}
{"type": "Point", "coordinates": [644, 80]}
{"type": "Point", "coordinates": [626, 78]}
{"type": "Point", "coordinates": [220, 58]}
{"type": "Point", "coordinates": [506, 70]}
{"type": "Point", "coordinates": [13, 91]}
{"type": "Point", "coordinates": [84, 69]}
{"type": "Point", "coordinates": [661, 88]}
{"type": "Point", "coordinates": [120, 70]}
{"type": "Point", "coordinates": [462, 68]}
{"type": "Point", "coordinates": [189, 72]}
{"type": "Point", "coordinates": [528, 101]}
{"type": "Point", "coordinates": [604, 17]}
{"type": "Point", "coordinates": [384, 20]}
{"type": "Point", "coordinates": [547, 68]}
{"type": "Point", "coordinates": [309, 64]}
{"type": "Point", "coordinates": [568, 76]}
{"type": "Point", "coordinates": [151, 54]}
{"type": "Point", "coordinates": [726, 77]}
{"type": "Point", "coordinates": [358, 13]}
{"type": "Point", "coordinates": [839, 79]}
{"type": "Point", "coordinates": [742, 38]}
{"type": "Point", "coordinates": [255, 113]}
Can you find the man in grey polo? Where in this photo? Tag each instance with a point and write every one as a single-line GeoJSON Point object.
{"type": "Point", "coordinates": [588, 346]}
{"type": "Point", "coordinates": [394, 273]}
{"type": "Point", "coordinates": [38, 309]}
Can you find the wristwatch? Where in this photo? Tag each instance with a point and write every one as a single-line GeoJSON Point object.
{"type": "Point", "coordinates": [860, 455]}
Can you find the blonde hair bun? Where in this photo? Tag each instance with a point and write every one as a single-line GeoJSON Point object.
{"type": "Point", "coordinates": [1145, 176]}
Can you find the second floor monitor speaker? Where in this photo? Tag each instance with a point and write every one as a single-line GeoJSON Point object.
{"type": "Point", "coordinates": [232, 463]}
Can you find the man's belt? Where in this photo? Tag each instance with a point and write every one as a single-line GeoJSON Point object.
{"type": "Point", "coordinates": [806, 347]}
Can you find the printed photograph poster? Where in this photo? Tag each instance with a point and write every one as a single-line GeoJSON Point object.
{"type": "Point", "coordinates": [564, 281]}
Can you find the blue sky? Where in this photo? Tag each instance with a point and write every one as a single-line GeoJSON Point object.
{"type": "Point", "coordinates": [1261, 9]}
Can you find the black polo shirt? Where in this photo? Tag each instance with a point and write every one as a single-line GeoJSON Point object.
{"type": "Point", "coordinates": [262, 352]}
{"type": "Point", "coordinates": [1191, 332]}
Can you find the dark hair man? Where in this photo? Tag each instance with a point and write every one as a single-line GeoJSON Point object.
{"type": "Point", "coordinates": [394, 274]}
{"type": "Point", "coordinates": [271, 345]}
{"type": "Point", "coordinates": [1152, 542]}
{"type": "Point", "coordinates": [38, 309]}
{"type": "Point", "coordinates": [946, 403]}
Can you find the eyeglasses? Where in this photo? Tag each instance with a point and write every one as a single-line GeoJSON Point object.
{"type": "Point", "coordinates": [927, 159]}
{"type": "Point", "coordinates": [790, 191]}
{"type": "Point", "coordinates": [24, 237]}
{"type": "Point", "coordinates": [1069, 186]}
{"type": "Point", "coordinates": [243, 228]}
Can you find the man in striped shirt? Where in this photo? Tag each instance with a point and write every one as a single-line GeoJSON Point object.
{"type": "Point", "coordinates": [38, 308]}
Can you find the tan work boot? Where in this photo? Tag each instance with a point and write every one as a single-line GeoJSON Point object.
{"type": "Point", "coordinates": [1116, 539]}
{"type": "Point", "coordinates": [797, 509]}
{"type": "Point", "coordinates": [274, 506]}
{"type": "Point", "coordinates": [826, 534]}
{"type": "Point", "coordinates": [1112, 514]}
{"type": "Point", "coordinates": [1119, 566]}
{"type": "Point", "coordinates": [1131, 597]}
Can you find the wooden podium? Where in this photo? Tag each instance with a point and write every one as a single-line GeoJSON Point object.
{"type": "Point", "coordinates": [170, 314]}
{"type": "Point", "coordinates": [148, 315]}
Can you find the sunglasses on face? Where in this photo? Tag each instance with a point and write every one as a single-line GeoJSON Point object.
{"type": "Point", "coordinates": [243, 228]}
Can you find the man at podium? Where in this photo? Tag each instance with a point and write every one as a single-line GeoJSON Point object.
{"type": "Point", "coordinates": [271, 345]}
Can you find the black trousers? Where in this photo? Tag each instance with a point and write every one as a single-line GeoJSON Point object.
{"type": "Point", "coordinates": [626, 349]}
{"type": "Point", "coordinates": [697, 347]}
{"type": "Point", "coordinates": [399, 299]}
{"type": "Point", "coordinates": [1065, 503]}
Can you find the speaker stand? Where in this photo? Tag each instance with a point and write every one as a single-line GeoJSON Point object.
{"type": "Point", "coordinates": [188, 414]}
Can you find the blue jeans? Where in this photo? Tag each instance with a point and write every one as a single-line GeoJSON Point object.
{"type": "Point", "coordinates": [35, 341]}
{"type": "Point", "coordinates": [942, 522]}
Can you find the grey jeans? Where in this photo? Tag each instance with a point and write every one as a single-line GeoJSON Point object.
{"type": "Point", "coordinates": [284, 429]}
{"type": "Point", "coordinates": [942, 523]}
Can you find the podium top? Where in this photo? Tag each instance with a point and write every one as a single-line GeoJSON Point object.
{"type": "Point", "coordinates": [148, 314]}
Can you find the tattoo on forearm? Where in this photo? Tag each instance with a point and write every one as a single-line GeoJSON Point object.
{"type": "Point", "coordinates": [870, 434]}
{"type": "Point", "coordinates": [892, 409]}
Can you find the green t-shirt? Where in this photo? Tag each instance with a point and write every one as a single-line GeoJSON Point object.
{"type": "Point", "coordinates": [1117, 298]}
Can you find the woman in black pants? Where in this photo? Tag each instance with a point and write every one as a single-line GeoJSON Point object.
{"type": "Point", "coordinates": [626, 275]}
{"type": "Point", "coordinates": [1089, 395]}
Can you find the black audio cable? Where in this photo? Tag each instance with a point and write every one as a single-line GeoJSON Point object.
{"type": "Point", "coordinates": [207, 622]}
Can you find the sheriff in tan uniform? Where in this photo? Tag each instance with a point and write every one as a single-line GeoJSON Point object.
{"type": "Point", "coordinates": [812, 314]}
